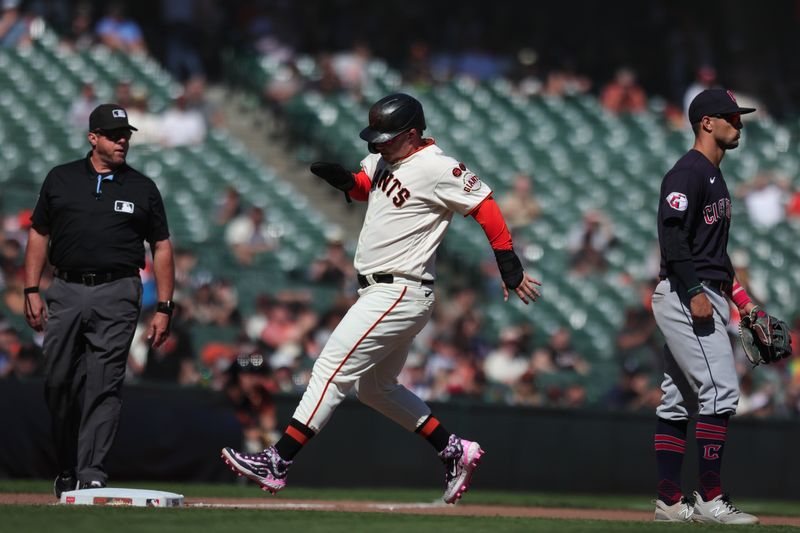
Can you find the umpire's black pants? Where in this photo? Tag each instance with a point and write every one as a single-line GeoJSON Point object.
{"type": "Point", "coordinates": [86, 341]}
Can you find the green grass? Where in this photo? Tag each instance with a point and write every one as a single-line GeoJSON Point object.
{"type": "Point", "coordinates": [50, 519]}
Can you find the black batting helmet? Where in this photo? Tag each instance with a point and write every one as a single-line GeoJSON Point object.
{"type": "Point", "coordinates": [390, 116]}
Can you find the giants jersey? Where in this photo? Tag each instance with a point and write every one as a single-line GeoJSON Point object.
{"type": "Point", "coordinates": [411, 204]}
{"type": "Point", "coordinates": [694, 193]}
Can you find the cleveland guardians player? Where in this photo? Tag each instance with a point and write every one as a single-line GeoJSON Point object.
{"type": "Point", "coordinates": [412, 189]}
{"type": "Point", "coordinates": [691, 308]}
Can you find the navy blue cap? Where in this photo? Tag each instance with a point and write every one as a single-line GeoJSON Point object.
{"type": "Point", "coordinates": [715, 102]}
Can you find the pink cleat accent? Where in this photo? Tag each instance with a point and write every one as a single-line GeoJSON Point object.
{"type": "Point", "coordinates": [461, 457]}
{"type": "Point", "coordinates": [267, 468]}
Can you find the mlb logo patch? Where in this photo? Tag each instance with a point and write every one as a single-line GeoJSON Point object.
{"type": "Point", "coordinates": [118, 113]}
{"type": "Point", "coordinates": [123, 207]}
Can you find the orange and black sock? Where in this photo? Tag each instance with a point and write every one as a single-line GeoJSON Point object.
{"type": "Point", "coordinates": [670, 445]}
{"type": "Point", "coordinates": [293, 440]}
{"type": "Point", "coordinates": [710, 433]}
{"type": "Point", "coordinates": [434, 432]}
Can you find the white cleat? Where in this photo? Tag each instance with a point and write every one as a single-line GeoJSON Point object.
{"type": "Point", "coordinates": [720, 510]}
{"type": "Point", "coordinates": [681, 511]}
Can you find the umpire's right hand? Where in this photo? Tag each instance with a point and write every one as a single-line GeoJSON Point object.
{"type": "Point", "coordinates": [35, 311]}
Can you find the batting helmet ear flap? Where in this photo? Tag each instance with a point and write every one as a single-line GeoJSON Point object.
{"type": "Point", "coordinates": [372, 149]}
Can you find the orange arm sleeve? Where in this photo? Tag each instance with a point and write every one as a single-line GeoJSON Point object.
{"type": "Point", "coordinates": [494, 226]}
{"type": "Point", "coordinates": [363, 185]}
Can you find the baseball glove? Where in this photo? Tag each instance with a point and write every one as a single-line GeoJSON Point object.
{"type": "Point", "coordinates": [334, 174]}
{"type": "Point", "coordinates": [765, 338]}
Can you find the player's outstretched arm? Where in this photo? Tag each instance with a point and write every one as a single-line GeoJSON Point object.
{"type": "Point", "coordinates": [488, 215]}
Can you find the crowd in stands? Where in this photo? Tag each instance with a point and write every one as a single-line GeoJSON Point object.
{"type": "Point", "coordinates": [275, 345]}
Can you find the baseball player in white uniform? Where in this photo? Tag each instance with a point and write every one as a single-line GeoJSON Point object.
{"type": "Point", "coordinates": [412, 189]}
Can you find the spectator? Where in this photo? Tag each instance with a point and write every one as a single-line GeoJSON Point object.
{"type": "Point", "coordinates": [283, 86]}
{"type": "Point", "coordinates": [10, 260]}
{"type": "Point", "coordinates": [173, 361]}
{"type": "Point", "coordinates": [793, 206]}
{"type": "Point", "coordinates": [83, 107]}
{"type": "Point", "coordinates": [281, 326]}
{"type": "Point", "coordinates": [120, 33]}
{"type": "Point", "coordinates": [563, 355]}
{"type": "Point", "coordinates": [250, 388]}
{"type": "Point", "coordinates": [623, 94]}
{"type": "Point", "coordinates": [469, 339]}
{"type": "Point", "coordinates": [229, 207]}
{"type": "Point", "coordinates": [185, 277]}
{"type": "Point", "coordinates": [414, 378]}
{"type": "Point", "coordinates": [180, 29]}
{"type": "Point", "coordinates": [196, 100]}
{"type": "Point", "coordinates": [526, 76]}
{"type": "Point", "coordinates": [525, 392]}
{"type": "Point", "coordinates": [764, 198]}
{"type": "Point", "coordinates": [753, 400]}
{"type": "Point", "coordinates": [10, 345]}
{"type": "Point", "coordinates": [753, 282]}
{"type": "Point", "coordinates": [149, 124]}
{"type": "Point", "coordinates": [589, 242]}
{"type": "Point", "coordinates": [80, 35]}
{"type": "Point", "coordinates": [504, 364]}
{"type": "Point", "coordinates": [249, 236]}
{"type": "Point", "coordinates": [14, 25]}
{"type": "Point", "coordinates": [327, 82]}
{"type": "Point", "coordinates": [639, 342]}
{"type": "Point", "coordinates": [334, 268]}
{"type": "Point", "coordinates": [181, 126]}
{"type": "Point", "coordinates": [519, 205]}
{"type": "Point", "coordinates": [417, 69]}
{"type": "Point", "coordinates": [351, 68]}
{"type": "Point", "coordinates": [27, 363]}
{"type": "Point", "coordinates": [705, 78]}
{"type": "Point", "coordinates": [632, 392]}
{"type": "Point", "coordinates": [215, 303]}
{"type": "Point", "coordinates": [565, 81]}
{"type": "Point", "coordinates": [123, 93]}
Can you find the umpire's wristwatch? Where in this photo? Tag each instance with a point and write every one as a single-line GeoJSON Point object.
{"type": "Point", "coordinates": [165, 307]}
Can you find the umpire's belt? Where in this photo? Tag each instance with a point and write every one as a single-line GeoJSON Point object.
{"type": "Point", "coordinates": [94, 278]}
{"type": "Point", "coordinates": [372, 279]}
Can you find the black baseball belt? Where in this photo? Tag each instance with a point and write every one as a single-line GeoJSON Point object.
{"type": "Point", "coordinates": [364, 281]}
{"type": "Point", "coordinates": [94, 278]}
{"type": "Point", "coordinates": [719, 285]}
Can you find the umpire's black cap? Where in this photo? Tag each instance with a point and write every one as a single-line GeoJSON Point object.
{"type": "Point", "coordinates": [715, 102]}
{"type": "Point", "coordinates": [109, 117]}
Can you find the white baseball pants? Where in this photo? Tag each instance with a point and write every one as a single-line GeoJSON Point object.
{"type": "Point", "coordinates": [368, 350]}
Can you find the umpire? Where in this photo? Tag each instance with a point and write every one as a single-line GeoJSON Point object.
{"type": "Point", "coordinates": [91, 220]}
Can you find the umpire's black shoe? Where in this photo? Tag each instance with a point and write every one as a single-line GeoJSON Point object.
{"type": "Point", "coordinates": [65, 482]}
{"type": "Point", "coordinates": [92, 485]}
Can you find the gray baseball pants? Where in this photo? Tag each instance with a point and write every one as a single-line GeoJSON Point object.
{"type": "Point", "coordinates": [699, 369]}
{"type": "Point", "coordinates": [86, 342]}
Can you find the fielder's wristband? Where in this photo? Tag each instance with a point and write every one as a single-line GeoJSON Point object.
{"type": "Point", "coordinates": [510, 268]}
{"type": "Point", "coordinates": [30, 290]}
{"type": "Point", "coordinates": [697, 289]}
{"type": "Point", "coordinates": [739, 296]}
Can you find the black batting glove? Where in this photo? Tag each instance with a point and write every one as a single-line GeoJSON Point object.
{"type": "Point", "coordinates": [510, 268]}
{"type": "Point", "coordinates": [335, 174]}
